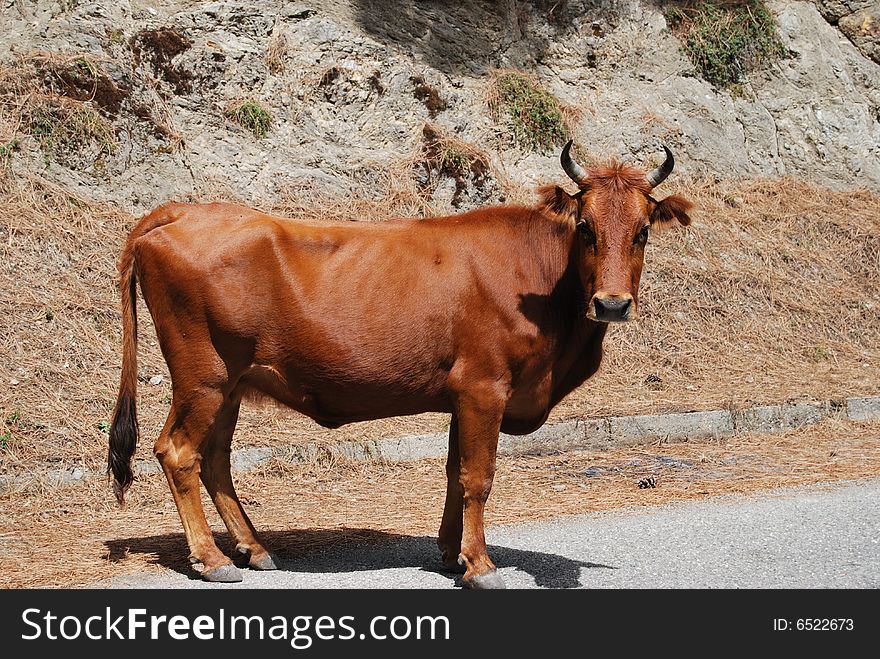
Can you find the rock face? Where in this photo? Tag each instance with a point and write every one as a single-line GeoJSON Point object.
{"type": "Point", "coordinates": [834, 10]}
{"type": "Point", "coordinates": [863, 29]}
{"type": "Point", "coordinates": [349, 86]}
{"type": "Point", "coordinates": [859, 20]}
{"type": "Point", "coordinates": [824, 102]}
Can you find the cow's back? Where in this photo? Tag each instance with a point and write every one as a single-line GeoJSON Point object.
{"type": "Point", "coordinates": [340, 320]}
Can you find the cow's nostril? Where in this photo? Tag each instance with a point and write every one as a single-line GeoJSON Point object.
{"type": "Point", "coordinates": [612, 309]}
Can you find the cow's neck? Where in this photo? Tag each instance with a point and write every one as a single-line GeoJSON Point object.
{"type": "Point", "coordinates": [554, 249]}
{"type": "Point", "coordinates": [577, 349]}
{"type": "Point", "coordinates": [571, 344]}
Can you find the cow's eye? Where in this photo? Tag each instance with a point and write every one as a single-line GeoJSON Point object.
{"type": "Point", "coordinates": [642, 237]}
{"type": "Point", "coordinates": [584, 229]}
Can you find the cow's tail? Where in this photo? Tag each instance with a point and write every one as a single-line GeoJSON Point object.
{"type": "Point", "coordinates": [123, 423]}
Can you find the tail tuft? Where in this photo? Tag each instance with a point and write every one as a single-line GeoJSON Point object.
{"type": "Point", "coordinates": [123, 441]}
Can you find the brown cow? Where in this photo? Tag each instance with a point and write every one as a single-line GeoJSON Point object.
{"type": "Point", "coordinates": [494, 316]}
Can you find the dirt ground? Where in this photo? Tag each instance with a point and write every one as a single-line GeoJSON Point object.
{"type": "Point", "coordinates": [76, 536]}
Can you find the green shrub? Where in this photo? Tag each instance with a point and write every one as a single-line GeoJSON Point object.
{"type": "Point", "coordinates": [252, 116]}
{"type": "Point", "coordinates": [12, 420]}
{"type": "Point", "coordinates": [534, 114]}
{"type": "Point", "coordinates": [115, 35]}
{"type": "Point", "coordinates": [726, 40]}
{"type": "Point", "coordinates": [66, 127]}
{"type": "Point", "coordinates": [6, 151]}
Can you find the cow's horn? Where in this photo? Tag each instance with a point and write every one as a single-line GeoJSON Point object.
{"type": "Point", "coordinates": [575, 172]}
{"type": "Point", "coordinates": [659, 175]}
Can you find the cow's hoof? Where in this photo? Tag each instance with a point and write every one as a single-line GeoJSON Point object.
{"type": "Point", "coordinates": [222, 574]}
{"type": "Point", "coordinates": [452, 561]}
{"type": "Point", "coordinates": [265, 562]}
{"type": "Point", "coordinates": [490, 580]}
{"type": "Point", "coordinates": [245, 558]}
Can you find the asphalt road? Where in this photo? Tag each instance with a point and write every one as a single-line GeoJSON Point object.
{"type": "Point", "coordinates": [792, 538]}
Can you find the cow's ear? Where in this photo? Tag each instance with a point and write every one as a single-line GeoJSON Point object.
{"type": "Point", "coordinates": [672, 209]}
{"type": "Point", "coordinates": [556, 201]}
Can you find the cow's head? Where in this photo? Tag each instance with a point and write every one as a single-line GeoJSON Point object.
{"type": "Point", "coordinates": [612, 215]}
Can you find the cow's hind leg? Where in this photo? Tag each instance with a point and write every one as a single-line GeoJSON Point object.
{"type": "Point", "coordinates": [449, 537]}
{"type": "Point", "coordinates": [179, 450]}
{"type": "Point", "coordinates": [479, 421]}
{"type": "Point", "coordinates": [217, 477]}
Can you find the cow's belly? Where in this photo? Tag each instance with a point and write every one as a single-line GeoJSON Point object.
{"type": "Point", "coordinates": [333, 403]}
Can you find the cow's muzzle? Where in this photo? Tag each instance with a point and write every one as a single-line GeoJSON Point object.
{"type": "Point", "coordinates": [611, 308]}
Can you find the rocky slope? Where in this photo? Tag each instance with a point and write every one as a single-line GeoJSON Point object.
{"type": "Point", "coordinates": [349, 85]}
{"type": "Point", "coordinates": [859, 20]}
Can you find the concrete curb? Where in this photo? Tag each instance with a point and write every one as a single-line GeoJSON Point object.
{"type": "Point", "coordinates": [602, 433]}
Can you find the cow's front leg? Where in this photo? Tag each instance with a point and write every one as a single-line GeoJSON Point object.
{"type": "Point", "coordinates": [479, 416]}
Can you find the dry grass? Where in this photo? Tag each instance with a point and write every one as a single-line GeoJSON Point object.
{"type": "Point", "coordinates": [447, 156]}
{"type": "Point", "coordinates": [772, 295]}
{"type": "Point", "coordinates": [77, 535]}
{"type": "Point", "coordinates": [377, 191]}
{"type": "Point", "coordinates": [64, 102]}
{"type": "Point", "coordinates": [71, 108]}
{"type": "Point", "coordinates": [60, 331]}
{"type": "Point", "coordinates": [450, 155]}
{"type": "Point", "coordinates": [276, 51]}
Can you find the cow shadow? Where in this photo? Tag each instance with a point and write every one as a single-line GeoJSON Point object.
{"type": "Point", "coordinates": [351, 550]}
